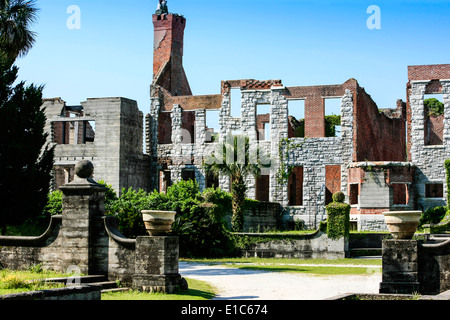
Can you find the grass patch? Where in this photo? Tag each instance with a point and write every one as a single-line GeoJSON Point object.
{"type": "Point", "coordinates": [310, 266]}
{"type": "Point", "coordinates": [317, 270]}
{"type": "Point", "coordinates": [12, 281]}
{"type": "Point", "coordinates": [198, 290]}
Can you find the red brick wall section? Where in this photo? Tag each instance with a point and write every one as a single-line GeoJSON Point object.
{"type": "Point", "coordinates": [355, 210]}
{"type": "Point", "coordinates": [356, 175]}
{"type": "Point", "coordinates": [168, 51]}
{"type": "Point", "coordinates": [429, 72]}
{"type": "Point", "coordinates": [332, 182]}
{"type": "Point", "coordinates": [262, 120]}
{"type": "Point", "coordinates": [434, 130]}
{"type": "Point", "coordinates": [378, 137]}
{"type": "Point", "coordinates": [399, 175]}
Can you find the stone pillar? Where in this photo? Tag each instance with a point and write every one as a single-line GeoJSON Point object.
{"type": "Point", "coordinates": [83, 203]}
{"type": "Point", "coordinates": [156, 264]}
{"type": "Point", "coordinates": [400, 267]}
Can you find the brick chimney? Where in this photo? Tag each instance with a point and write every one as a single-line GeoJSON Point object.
{"type": "Point", "coordinates": [168, 71]}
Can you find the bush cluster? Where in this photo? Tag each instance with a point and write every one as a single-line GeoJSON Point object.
{"type": "Point", "coordinates": [199, 222]}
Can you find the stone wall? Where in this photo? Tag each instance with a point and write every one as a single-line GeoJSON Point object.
{"type": "Point", "coordinates": [260, 217]}
{"type": "Point", "coordinates": [313, 246]}
{"type": "Point", "coordinates": [83, 238]}
{"type": "Point", "coordinates": [429, 159]}
{"type": "Point", "coordinates": [117, 150]}
{"type": "Point", "coordinates": [413, 266]}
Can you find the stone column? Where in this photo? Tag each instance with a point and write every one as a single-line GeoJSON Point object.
{"type": "Point", "coordinates": [400, 267]}
{"type": "Point", "coordinates": [156, 264]}
{"type": "Point", "coordinates": [83, 204]}
{"type": "Point", "coordinates": [346, 139]}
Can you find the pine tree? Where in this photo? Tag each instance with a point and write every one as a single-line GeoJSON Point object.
{"type": "Point", "coordinates": [26, 160]}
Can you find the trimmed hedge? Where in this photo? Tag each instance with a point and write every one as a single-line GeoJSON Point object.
{"type": "Point", "coordinates": [338, 222]}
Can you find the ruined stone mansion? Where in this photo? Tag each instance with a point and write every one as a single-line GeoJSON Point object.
{"type": "Point", "coordinates": [381, 159]}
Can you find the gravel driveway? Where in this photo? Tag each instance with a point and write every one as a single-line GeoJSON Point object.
{"type": "Point", "coordinates": [237, 284]}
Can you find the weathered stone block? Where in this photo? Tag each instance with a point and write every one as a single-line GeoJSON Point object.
{"type": "Point", "coordinates": [400, 266]}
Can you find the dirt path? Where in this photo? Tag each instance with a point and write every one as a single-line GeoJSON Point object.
{"type": "Point", "coordinates": [237, 284]}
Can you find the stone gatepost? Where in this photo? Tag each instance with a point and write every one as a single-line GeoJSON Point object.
{"type": "Point", "coordinates": [83, 204]}
{"type": "Point", "coordinates": [400, 267]}
{"type": "Point", "coordinates": [156, 264]}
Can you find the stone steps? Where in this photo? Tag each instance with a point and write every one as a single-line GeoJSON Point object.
{"type": "Point", "coordinates": [115, 290]}
{"type": "Point", "coordinates": [358, 252]}
{"type": "Point", "coordinates": [82, 279]}
{"type": "Point", "coordinates": [94, 280]}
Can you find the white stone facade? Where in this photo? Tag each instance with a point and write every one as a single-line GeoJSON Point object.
{"type": "Point", "coordinates": [429, 159]}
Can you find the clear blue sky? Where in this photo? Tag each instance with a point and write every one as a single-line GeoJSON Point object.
{"type": "Point", "coordinates": [299, 42]}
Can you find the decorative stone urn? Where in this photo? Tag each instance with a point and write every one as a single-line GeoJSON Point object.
{"type": "Point", "coordinates": [158, 223]}
{"type": "Point", "coordinates": [402, 224]}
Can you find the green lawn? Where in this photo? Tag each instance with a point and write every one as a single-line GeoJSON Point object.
{"type": "Point", "coordinates": [12, 281]}
{"type": "Point", "coordinates": [198, 290]}
{"type": "Point", "coordinates": [310, 266]}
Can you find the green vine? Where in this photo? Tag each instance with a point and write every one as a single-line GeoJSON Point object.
{"type": "Point", "coordinates": [284, 170]}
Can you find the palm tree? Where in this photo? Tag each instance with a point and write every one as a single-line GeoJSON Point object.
{"type": "Point", "coordinates": [237, 160]}
{"type": "Point", "coordinates": [16, 38]}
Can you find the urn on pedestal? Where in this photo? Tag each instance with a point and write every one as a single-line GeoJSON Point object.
{"type": "Point", "coordinates": [157, 222]}
{"type": "Point", "coordinates": [402, 224]}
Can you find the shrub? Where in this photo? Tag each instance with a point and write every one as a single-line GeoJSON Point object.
{"type": "Point", "coordinates": [338, 222]}
{"type": "Point", "coordinates": [127, 209]}
{"type": "Point", "coordinates": [338, 197]}
{"type": "Point", "coordinates": [54, 204]}
{"type": "Point", "coordinates": [432, 215]}
{"type": "Point", "coordinates": [110, 193]}
{"type": "Point", "coordinates": [199, 221]}
{"type": "Point", "coordinates": [434, 106]}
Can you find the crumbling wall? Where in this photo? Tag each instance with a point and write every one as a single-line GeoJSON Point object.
{"type": "Point", "coordinates": [168, 71]}
{"type": "Point", "coordinates": [378, 136]}
{"type": "Point", "coordinates": [429, 159]}
{"type": "Point", "coordinates": [117, 150]}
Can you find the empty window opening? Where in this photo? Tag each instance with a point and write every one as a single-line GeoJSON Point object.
{"type": "Point", "coordinates": [188, 127]}
{"type": "Point", "coordinates": [400, 193]}
{"type": "Point", "coordinates": [212, 125]}
{"type": "Point", "coordinates": [165, 181]}
{"type": "Point", "coordinates": [295, 187]}
{"type": "Point", "coordinates": [434, 119]}
{"type": "Point", "coordinates": [235, 94]}
{"type": "Point", "coordinates": [296, 118]}
{"type": "Point", "coordinates": [434, 190]}
{"type": "Point", "coordinates": [262, 188]}
{"type": "Point", "coordinates": [211, 180]}
{"type": "Point", "coordinates": [263, 122]}
{"type": "Point", "coordinates": [63, 174]}
{"type": "Point", "coordinates": [73, 132]}
{"type": "Point", "coordinates": [165, 128]}
{"type": "Point", "coordinates": [187, 175]}
{"type": "Point", "coordinates": [333, 117]}
{"type": "Point", "coordinates": [354, 194]}
{"type": "Point", "coordinates": [332, 182]}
